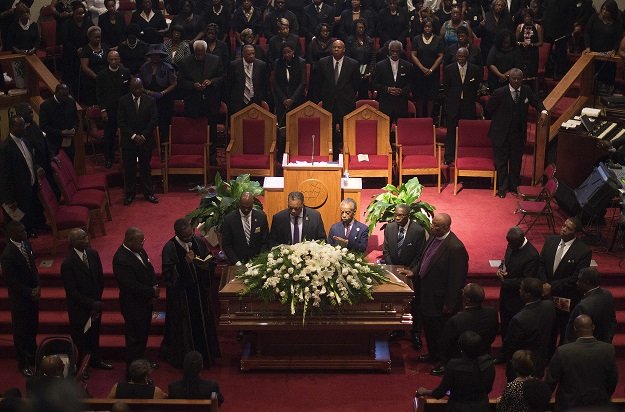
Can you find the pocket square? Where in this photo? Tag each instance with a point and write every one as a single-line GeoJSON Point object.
{"type": "Point", "coordinates": [402, 74]}
{"type": "Point", "coordinates": [257, 230]}
{"type": "Point", "coordinates": [473, 79]}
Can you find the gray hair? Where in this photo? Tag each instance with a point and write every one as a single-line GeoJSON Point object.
{"type": "Point", "coordinates": [199, 43]}
{"type": "Point", "coordinates": [296, 196]}
{"type": "Point", "coordinates": [395, 43]}
{"type": "Point", "coordinates": [349, 201]}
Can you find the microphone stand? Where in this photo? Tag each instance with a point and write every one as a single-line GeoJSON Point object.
{"type": "Point", "coordinates": [312, 154]}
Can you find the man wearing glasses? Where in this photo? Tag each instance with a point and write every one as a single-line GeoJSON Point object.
{"type": "Point", "coordinates": [349, 232]}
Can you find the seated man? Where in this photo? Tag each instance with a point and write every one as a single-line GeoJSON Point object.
{"type": "Point", "coordinates": [296, 223]}
{"type": "Point", "coordinates": [349, 232]}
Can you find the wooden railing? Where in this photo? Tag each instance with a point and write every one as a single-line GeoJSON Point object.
{"type": "Point", "coordinates": [37, 77]}
{"type": "Point", "coordinates": [155, 405]}
{"type": "Point", "coordinates": [582, 74]}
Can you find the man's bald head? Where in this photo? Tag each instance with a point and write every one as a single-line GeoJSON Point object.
{"type": "Point", "coordinates": [583, 326]}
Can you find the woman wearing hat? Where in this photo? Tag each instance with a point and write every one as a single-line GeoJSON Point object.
{"type": "Point", "coordinates": [132, 50]}
{"type": "Point", "coordinates": [92, 60]}
{"type": "Point", "coordinates": [159, 82]}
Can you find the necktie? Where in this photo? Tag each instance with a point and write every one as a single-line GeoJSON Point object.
{"type": "Point", "coordinates": [247, 228]}
{"type": "Point", "coordinates": [558, 257]}
{"type": "Point", "coordinates": [24, 252]}
{"type": "Point", "coordinates": [29, 159]}
{"type": "Point", "coordinates": [248, 92]}
{"type": "Point", "coordinates": [295, 230]}
{"type": "Point", "coordinates": [348, 228]}
{"type": "Point", "coordinates": [85, 259]}
{"type": "Point", "coordinates": [336, 72]}
{"type": "Point", "coordinates": [318, 9]}
{"type": "Point", "coordinates": [462, 74]}
{"type": "Point", "coordinates": [400, 238]}
{"type": "Point", "coordinates": [136, 103]}
{"type": "Point", "coordinates": [516, 96]}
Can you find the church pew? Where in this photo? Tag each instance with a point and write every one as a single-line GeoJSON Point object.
{"type": "Point", "coordinates": [440, 405]}
{"type": "Point", "coordinates": [155, 405]}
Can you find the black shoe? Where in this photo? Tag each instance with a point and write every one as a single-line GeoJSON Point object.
{"type": "Point", "coordinates": [151, 199]}
{"type": "Point", "coordinates": [416, 342]}
{"type": "Point", "coordinates": [427, 358]}
{"type": "Point", "coordinates": [396, 334]}
{"type": "Point", "coordinates": [128, 199]}
{"type": "Point", "coordinates": [438, 371]}
{"type": "Point", "coordinates": [100, 365]}
{"type": "Point", "coordinates": [108, 164]}
{"type": "Point", "coordinates": [27, 372]}
{"type": "Point", "coordinates": [501, 195]}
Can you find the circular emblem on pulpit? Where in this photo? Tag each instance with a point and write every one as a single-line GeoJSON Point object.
{"type": "Point", "coordinates": [315, 192]}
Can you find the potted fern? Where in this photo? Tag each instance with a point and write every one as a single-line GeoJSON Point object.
{"type": "Point", "coordinates": [382, 208]}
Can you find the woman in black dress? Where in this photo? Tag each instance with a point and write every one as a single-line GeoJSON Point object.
{"type": "Point", "coordinates": [362, 48]}
{"type": "Point", "coordinates": [73, 39]}
{"type": "Point", "coordinates": [349, 17]}
{"type": "Point", "coordinates": [529, 36]}
{"type": "Point", "coordinates": [92, 61]}
{"type": "Point", "coordinates": [469, 379]}
{"type": "Point", "coordinates": [219, 14]}
{"type": "Point", "coordinates": [193, 26]}
{"type": "Point", "coordinates": [112, 24]}
{"type": "Point", "coordinates": [495, 21]}
{"type": "Point", "coordinates": [132, 50]}
{"type": "Point", "coordinates": [320, 45]}
{"type": "Point", "coordinates": [62, 11]}
{"type": "Point", "coordinates": [23, 38]}
{"type": "Point", "coordinates": [603, 34]}
{"type": "Point", "coordinates": [138, 386]}
{"type": "Point", "coordinates": [216, 46]}
{"type": "Point", "coordinates": [503, 56]}
{"type": "Point", "coordinates": [393, 23]}
{"type": "Point", "coordinates": [427, 55]}
{"type": "Point", "coordinates": [288, 91]}
{"type": "Point", "coordinates": [246, 17]}
{"type": "Point", "coordinates": [151, 21]}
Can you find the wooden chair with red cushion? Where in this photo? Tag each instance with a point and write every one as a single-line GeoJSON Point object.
{"type": "Point", "coordinates": [95, 128]}
{"type": "Point", "coordinates": [61, 218]}
{"type": "Point", "coordinates": [93, 199]}
{"type": "Point", "coordinates": [188, 147]}
{"type": "Point", "coordinates": [252, 142]}
{"type": "Point", "coordinates": [417, 152]}
{"type": "Point", "coordinates": [158, 161]}
{"type": "Point", "coordinates": [88, 181]}
{"type": "Point", "coordinates": [474, 152]}
{"type": "Point", "coordinates": [366, 132]}
{"type": "Point", "coordinates": [302, 123]}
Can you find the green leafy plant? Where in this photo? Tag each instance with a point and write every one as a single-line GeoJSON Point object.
{"type": "Point", "coordinates": [382, 208]}
{"type": "Point", "coordinates": [221, 199]}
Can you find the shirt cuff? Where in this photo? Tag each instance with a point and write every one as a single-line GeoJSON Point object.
{"type": "Point", "coordinates": [133, 136]}
{"type": "Point", "coordinates": [102, 110]}
{"type": "Point", "coordinates": [544, 112]}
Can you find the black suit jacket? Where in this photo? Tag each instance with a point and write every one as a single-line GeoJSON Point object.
{"type": "Point", "coordinates": [394, 106]}
{"type": "Point", "coordinates": [531, 329]}
{"type": "Point", "coordinates": [274, 46]}
{"type": "Point", "coordinates": [236, 83]}
{"type": "Point", "coordinates": [358, 235]}
{"type": "Point", "coordinates": [520, 264]}
{"type": "Point", "coordinates": [443, 280]}
{"type": "Point", "coordinates": [131, 121]}
{"type": "Point", "coordinates": [563, 281]}
{"type": "Point", "coordinates": [339, 98]}
{"type": "Point", "coordinates": [57, 116]}
{"type": "Point", "coordinates": [312, 227]}
{"type": "Point", "coordinates": [234, 244]}
{"type": "Point", "coordinates": [14, 173]}
{"type": "Point", "coordinates": [311, 19]}
{"type": "Point", "coordinates": [599, 305]}
{"type": "Point", "coordinates": [454, 88]}
{"type": "Point", "coordinates": [83, 285]}
{"type": "Point", "coordinates": [294, 87]}
{"type": "Point", "coordinates": [177, 390]}
{"type": "Point", "coordinates": [583, 370]}
{"type": "Point", "coordinates": [19, 276]}
{"type": "Point", "coordinates": [500, 106]}
{"type": "Point", "coordinates": [110, 86]}
{"type": "Point", "coordinates": [136, 282]}
{"type": "Point", "coordinates": [412, 249]}
{"type": "Point", "coordinates": [191, 71]}
{"type": "Point", "coordinates": [481, 320]}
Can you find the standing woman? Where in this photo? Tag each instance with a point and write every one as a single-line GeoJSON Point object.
{"type": "Point", "coordinates": [448, 29]}
{"type": "Point", "coordinates": [175, 47]}
{"type": "Point", "coordinates": [152, 23]}
{"type": "Point", "coordinates": [191, 23]}
{"type": "Point", "coordinates": [320, 45]}
{"type": "Point", "coordinates": [159, 80]}
{"type": "Point", "coordinates": [23, 38]}
{"type": "Point", "coordinates": [503, 57]}
{"type": "Point", "coordinates": [96, 8]}
{"type": "Point", "coordinates": [62, 10]}
{"type": "Point", "coordinates": [288, 84]}
{"type": "Point", "coordinates": [529, 36]}
{"type": "Point", "coordinates": [112, 24]}
{"type": "Point", "coordinates": [246, 17]}
{"type": "Point", "coordinates": [362, 48]}
{"type": "Point", "coordinates": [216, 46]}
{"type": "Point", "coordinates": [132, 50]}
{"type": "Point", "coordinates": [219, 14]}
{"type": "Point", "coordinates": [603, 34]}
{"type": "Point", "coordinates": [74, 38]}
{"type": "Point", "coordinates": [496, 20]}
{"type": "Point", "coordinates": [427, 55]}
{"type": "Point", "coordinates": [92, 61]}
{"type": "Point", "coordinates": [349, 18]}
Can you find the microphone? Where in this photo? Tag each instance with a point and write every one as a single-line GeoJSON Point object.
{"type": "Point", "coordinates": [312, 154]}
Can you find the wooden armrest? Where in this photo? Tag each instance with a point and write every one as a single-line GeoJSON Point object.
{"type": "Point", "coordinates": [272, 148]}
{"type": "Point", "coordinates": [229, 148]}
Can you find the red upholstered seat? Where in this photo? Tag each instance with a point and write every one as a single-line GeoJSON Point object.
{"type": "Point", "coordinates": [251, 161]}
{"type": "Point", "coordinates": [89, 198]}
{"type": "Point", "coordinates": [375, 162]}
{"type": "Point", "coordinates": [188, 146]}
{"type": "Point", "coordinates": [475, 163]}
{"type": "Point", "coordinates": [474, 153]}
{"type": "Point", "coordinates": [419, 161]}
{"type": "Point", "coordinates": [89, 181]}
{"type": "Point", "coordinates": [69, 217]}
{"type": "Point", "coordinates": [184, 160]}
{"type": "Point", "coordinates": [417, 151]}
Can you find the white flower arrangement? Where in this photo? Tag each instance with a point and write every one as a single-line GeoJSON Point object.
{"type": "Point", "coordinates": [311, 273]}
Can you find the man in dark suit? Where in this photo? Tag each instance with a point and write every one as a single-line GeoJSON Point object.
{"type": "Point", "coordinates": [443, 271]}
{"type": "Point", "coordinates": [584, 371]}
{"type": "Point", "coordinates": [200, 389]}
{"type": "Point", "coordinates": [597, 303]}
{"type": "Point", "coordinates": [339, 76]}
{"type": "Point", "coordinates": [508, 129]}
{"type": "Point", "coordinates": [22, 279]}
{"type": "Point", "coordinates": [111, 83]}
{"type": "Point", "coordinates": [58, 119]}
{"type": "Point", "coordinates": [138, 291]}
{"type": "Point", "coordinates": [520, 261]}
{"type": "Point", "coordinates": [245, 231]}
{"type": "Point", "coordinates": [247, 80]}
{"type": "Point", "coordinates": [392, 80]}
{"type": "Point", "coordinates": [18, 178]}
{"type": "Point", "coordinates": [313, 15]}
{"type": "Point", "coordinates": [349, 233]}
{"type": "Point", "coordinates": [296, 223]}
{"type": "Point", "coordinates": [83, 280]}
{"type": "Point", "coordinates": [530, 329]}
{"type": "Point", "coordinates": [474, 317]}
{"type": "Point", "coordinates": [561, 260]}
{"type": "Point", "coordinates": [461, 81]}
{"type": "Point", "coordinates": [200, 77]}
{"type": "Point", "coordinates": [137, 120]}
